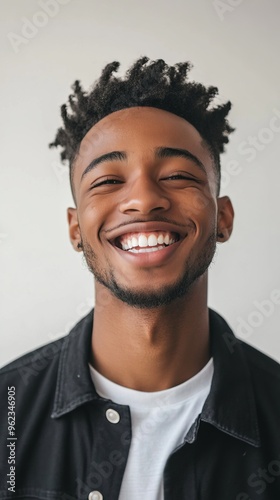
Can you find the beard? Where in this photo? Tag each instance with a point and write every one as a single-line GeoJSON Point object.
{"type": "Point", "coordinates": [195, 266]}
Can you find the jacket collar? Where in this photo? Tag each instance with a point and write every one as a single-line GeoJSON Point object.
{"type": "Point", "coordinates": [230, 405]}
{"type": "Point", "coordinates": [74, 385]}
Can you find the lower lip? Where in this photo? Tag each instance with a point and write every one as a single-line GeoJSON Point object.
{"type": "Point", "coordinates": [149, 258]}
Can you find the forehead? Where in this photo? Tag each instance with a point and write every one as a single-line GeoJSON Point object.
{"type": "Point", "coordinates": [138, 131]}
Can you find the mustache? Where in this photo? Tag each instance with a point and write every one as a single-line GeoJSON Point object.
{"type": "Point", "coordinates": [143, 220]}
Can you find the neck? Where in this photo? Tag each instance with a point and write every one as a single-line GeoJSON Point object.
{"type": "Point", "coordinates": [151, 349]}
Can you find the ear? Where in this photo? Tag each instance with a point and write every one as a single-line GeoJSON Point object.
{"type": "Point", "coordinates": [74, 229]}
{"type": "Point", "coordinates": [225, 219]}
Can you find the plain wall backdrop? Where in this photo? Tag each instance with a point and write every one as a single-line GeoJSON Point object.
{"type": "Point", "coordinates": [45, 46]}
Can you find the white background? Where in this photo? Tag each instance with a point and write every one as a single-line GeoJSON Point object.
{"type": "Point", "coordinates": [45, 287]}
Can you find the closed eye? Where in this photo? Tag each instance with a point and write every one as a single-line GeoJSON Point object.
{"type": "Point", "coordinates": [104, 182]}
{"type": "Point", "coordinates": [180, 176]}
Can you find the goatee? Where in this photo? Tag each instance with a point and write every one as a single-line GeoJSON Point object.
{"type": "Point", "coordinates": [195, 267]}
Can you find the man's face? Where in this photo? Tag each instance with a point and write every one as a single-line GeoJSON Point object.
{"type": "Point", "coordinates": [146, 214]}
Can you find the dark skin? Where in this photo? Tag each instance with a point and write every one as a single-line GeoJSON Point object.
{"type": "Point", "coordinates": [151, 348]}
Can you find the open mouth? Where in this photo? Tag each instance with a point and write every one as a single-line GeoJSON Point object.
{"type": "Point", "coordinates": [146, 242]}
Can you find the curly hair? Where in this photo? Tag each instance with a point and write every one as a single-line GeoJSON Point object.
{"type": "Point", "coordinates": [146, 83]}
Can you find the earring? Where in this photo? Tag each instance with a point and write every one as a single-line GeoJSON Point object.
{"type": "Point", "coordinates": [79, 245]}
{"type": "Point", "coordinates": [220, 235]}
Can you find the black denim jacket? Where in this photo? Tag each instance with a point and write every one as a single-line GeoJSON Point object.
{"type": "Point", "coordinates": [65, 447]}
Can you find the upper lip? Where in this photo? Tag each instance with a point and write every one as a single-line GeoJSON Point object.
{"type": "Point", "coordinates": [142, 227]}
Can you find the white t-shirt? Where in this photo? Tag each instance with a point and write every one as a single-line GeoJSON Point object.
{"type": "Point", "coordinates": [160, 421]}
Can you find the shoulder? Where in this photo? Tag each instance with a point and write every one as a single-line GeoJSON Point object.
{"type": "Point", "coordinates": [29, 382]}
{"type": "Point", "coordinates": [261, 370]}
{"type": "Point", "coordinates": [30, 368]}
{"type": "Point", "coordinates": [259, 364]}
{"type": "Point", "coordinates": [39, 369]}
{"type": "Point", "coordinates": [265, 371]}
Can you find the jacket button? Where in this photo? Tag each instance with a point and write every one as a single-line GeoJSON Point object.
{"type": "Point", "coordinates": [113, 416]}
{"type": "Point", "coordinates": [95, 495]}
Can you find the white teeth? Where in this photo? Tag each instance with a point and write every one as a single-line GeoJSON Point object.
{"type": "Point", "coordinates": [152, 240]}
{"type": "Point", "coordinates": [166, 239]}
{"type": "Point", "coordinates": [147, 250]}
{"type": "Point", "coordinates": [143, 241]}
{"type": "Point", "coordinates": [134, 241]}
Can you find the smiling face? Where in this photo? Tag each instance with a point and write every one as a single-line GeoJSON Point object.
{"type": "Point", "coordinates": [147, 212]}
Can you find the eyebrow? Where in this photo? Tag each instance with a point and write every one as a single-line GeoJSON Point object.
{"type": "Point", "coordinates": [161, 152]}
{"type": "Point", "coordinates": [113, 155]}
{"type": "Point", "coordinates": [164, 152]}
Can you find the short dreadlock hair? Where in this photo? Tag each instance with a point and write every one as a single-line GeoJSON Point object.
{"type": "Point", "coordinates": [146, 83]}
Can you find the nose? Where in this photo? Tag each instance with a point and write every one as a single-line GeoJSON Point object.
{"type": "Point", "coordinates": [144, 196]}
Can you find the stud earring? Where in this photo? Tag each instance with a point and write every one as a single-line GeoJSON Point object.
{"type": "Point", "coordinates": [220, 235]}
{"type": "Point", "coordinates": [79, 245]}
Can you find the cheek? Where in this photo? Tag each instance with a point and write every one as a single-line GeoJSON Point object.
{"type": "Point", "coordinates": [202, 210]}
{"type": "Point", "coordinates": [92, 219]}
{"type": "Point", "coordinates": [201, 206]}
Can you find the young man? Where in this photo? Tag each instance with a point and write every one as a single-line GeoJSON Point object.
{"type": "Point", "coordinates": [151, 396]}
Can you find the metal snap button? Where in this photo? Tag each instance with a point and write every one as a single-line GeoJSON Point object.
{"type": "Point", "coordinates": [113, 416]}
{"type": "Point", "coordinates": [95, 495]}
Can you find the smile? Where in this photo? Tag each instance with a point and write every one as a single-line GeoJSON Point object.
{"type": "Point", "coordinates": [146, 242]}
